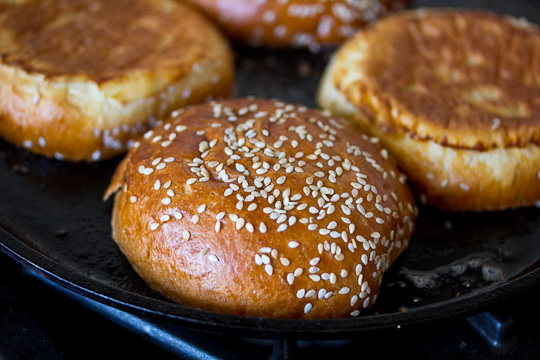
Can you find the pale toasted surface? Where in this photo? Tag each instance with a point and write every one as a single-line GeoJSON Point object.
{"type": "Point", "coordinates": [295, 23]}
{"type": "Point", "coordinates": [261, 208]}
{"type": "Point", "coordinates": [80, 79]}
{"type": "Point", "coordinates": [465, 79]}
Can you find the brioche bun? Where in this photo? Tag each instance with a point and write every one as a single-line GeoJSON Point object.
{"type": "Point", "coordinates": [261, 208]}
{"type": "Point", "coordinates": [453, 95]}
{"type": "Point", "coordinates": [295, 23]}
{"type": "Point", "coordinates": [80, 79]}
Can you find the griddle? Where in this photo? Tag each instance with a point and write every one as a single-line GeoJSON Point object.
{"type": "Point", "coordinates": [53, 221]}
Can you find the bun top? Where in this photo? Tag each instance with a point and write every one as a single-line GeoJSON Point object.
{"type": "Point", "coordinates": [460, 78]}
{"type": "Point", "coordinates": [100, 40]}
{"type": "Point", "coordinates": [257, 205]}
{"type": "Point", "coordinates": [295, 23]}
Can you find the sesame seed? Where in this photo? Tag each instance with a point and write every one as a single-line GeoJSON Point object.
{"type": "Point", "coordinates": [201, 208]}
{"type": "Point", "coordinates": [301, 293]}
{"type": "Point", "coordinates": [282, 228]}
{"type": "Point", "coordinates": [366, 303]}
{"type": "Point", "coordinates": [132, 198]}
{"type": "Point", "coordinates": [154, 226]}
{"type": "Point", "coordinates": [293, 244]}
{"type": "Point", "coordinates": [265, 259]}
{"type": "Point", "coordinates": [96, 155]}
{"type": "Point", "coordinates": [195, 219]}
{"type": "Point", "coordinates": [213, 258]}
{"type": "Point", "coordinates": [186, 235]}
{"type": "Point", "coordinates": [269, 269]}
{"type": "Point", "coordinates": [290, 278]}
{"type": "Point", "coordinates": [324, 231]}
{"type": "Point", "coordinates": [240, 223]}
{"type": "Point", "coordinates": [177, 215]}
{"type": "Point", "coordinates": [262, 228]}
{"type": "Point", "coordinates": [308, 308]}
{"type": "Point", "coordinates": [166, 201]}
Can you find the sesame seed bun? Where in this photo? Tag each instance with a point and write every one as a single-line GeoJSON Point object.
{"type": "Point", "coordinates": [295, 23]}
{"type": "Point", "coordinates": [80, 79]}
{"type": "Point", "coordinates": [261, 208]}
{"type": "Point", "coordinates": [453, 96]}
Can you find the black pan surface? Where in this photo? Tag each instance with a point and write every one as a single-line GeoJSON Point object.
{"type": "Point", "coordinates": [53, 219]}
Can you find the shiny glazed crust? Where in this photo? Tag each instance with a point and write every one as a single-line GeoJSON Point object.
{"type": "Point", "coordinates": [261, 208]}
{"type": "Point", "coordinates": [295, 23]}
{"type": "Point", "coordinates": [124, 65]}
{"type": "Point", "coordinates": [459, 154]}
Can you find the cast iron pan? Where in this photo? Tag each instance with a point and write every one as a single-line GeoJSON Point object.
{"type": "Point", "coordinates": [53, 220]}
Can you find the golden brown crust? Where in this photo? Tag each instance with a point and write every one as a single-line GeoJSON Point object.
{"type": "Point", "coordinates": [261, 208]}
{"type": "Point", "coordinates": [123, 65]}
{"type": "Point", "coordinates": [447, 176]}
{"type": "Point", "coordinates": [296, 23]}
{"type": "Point", "coordinates": [464, 79]}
